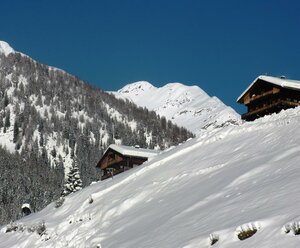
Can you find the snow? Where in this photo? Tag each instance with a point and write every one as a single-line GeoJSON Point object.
{"type": "Point", "coordinates": [26, 205]}
{"type": "Point", "coordinates": [282, 82]}
{"type": "Point", "coordinates": [113, 113]}
{"type": "Point", "coordinates": [23, 80]}
{"type": "Point", "coordinates": [226, 180]}
{"type": "Point", "coordinates": [6, 138]}
{"type": "Point", "coordinates": [133, 151]}
{"type": "Point", "coordinates": [5, 48]}
{"type": "Point", "coordinates": [187, 106]}
{"type": "Point", "coordinates": [133, 125]}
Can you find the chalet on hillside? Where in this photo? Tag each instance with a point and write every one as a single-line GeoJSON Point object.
{"type": "Point", "coordinates": [119, 158]}
{"type": "Point", "coordinates": [268, 95]}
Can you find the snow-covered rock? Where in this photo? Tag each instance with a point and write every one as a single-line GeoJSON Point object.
{"type": "Point", "coordinates": [187, 106]}
{"type": "Point", "coordinates": [227, 181]}
{"type": "Point", "coordinates": [5, 48]}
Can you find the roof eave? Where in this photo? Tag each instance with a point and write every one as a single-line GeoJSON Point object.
{"type": "Point", "coordinates": [123, 153]}
{"type": "Point", "coordinates": [248, 88]}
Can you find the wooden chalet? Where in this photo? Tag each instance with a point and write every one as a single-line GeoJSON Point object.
{"type": "Point", "coordinates": [268, 95]}
{"type": "Point", "coordinates": [119, 158]}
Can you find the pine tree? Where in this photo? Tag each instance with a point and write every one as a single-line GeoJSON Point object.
{"type": "Point", "coordinates": [53, 152]}
{"type": "Point", "coordinates": [6, 101]}
{"type": "Point", "coordinates": [73, 182]}
{"type": "Point", "coordinates": [16, 132]}
{"type": "Point", "coordinates": [1, 122]}
{"type": "Point", "coordinates": [7, 119]}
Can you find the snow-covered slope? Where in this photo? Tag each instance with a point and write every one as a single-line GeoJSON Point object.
{"type": "Point", "coordinates": [54, 119]}
{"type": "Point", "coordinates": [237, 177]}
{"type": "Point", "coordinates": [187, 106]}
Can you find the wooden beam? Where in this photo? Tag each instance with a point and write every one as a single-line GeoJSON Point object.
{"type": "Point", "coordinates": [267, 93]}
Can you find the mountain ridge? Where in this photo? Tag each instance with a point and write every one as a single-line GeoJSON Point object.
{"type": "Point", "coordinates": [187, 106]}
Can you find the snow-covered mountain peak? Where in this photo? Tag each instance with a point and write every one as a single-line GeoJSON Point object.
{"type": "Point", "coordinates": [187, 106]}
{"type": "Point", "coordinates": [136, 87]}
{"type": "Point", "coordinates": [5, 48]}
{"type": "Point", "coordinates": [183, 86]}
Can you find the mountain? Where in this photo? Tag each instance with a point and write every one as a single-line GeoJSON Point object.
{"type": "Point", "coordinates": [234, 180]}
{"type": "Point", "coordinates": [51, 121]}
{"type": "Point", "coordinates": [187, 106]}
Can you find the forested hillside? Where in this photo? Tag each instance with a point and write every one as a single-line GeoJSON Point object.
{"type": "Point", "coordinates": [232, 187]}
{"type": "Point", "coordinates": [50, 120]}
{"type": "Point", "coordinates": [26, 178]}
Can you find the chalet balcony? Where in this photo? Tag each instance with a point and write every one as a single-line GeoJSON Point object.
{"type": "Point", "coordinates": [274, 106]}
{"type": "Point", "coordinates": [273, 91]}
{"type": "Point", "coordinates": [115, 169]}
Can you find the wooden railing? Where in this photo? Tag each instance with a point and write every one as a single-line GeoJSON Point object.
{"type": "Point", "coordinates": [272, 105]}
{"type": "Point", "coordinates": [270, 92]}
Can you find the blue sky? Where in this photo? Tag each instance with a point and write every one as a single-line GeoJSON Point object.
{"type": "Point", "coordinates": [220, 46]}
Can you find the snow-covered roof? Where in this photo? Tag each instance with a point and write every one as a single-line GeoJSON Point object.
{"type": "Point", "coordinates": [133, 151]}
{"type": "Point", "coordinates": [26, 205]}
{"type": "Point", "coordinates": [282, 82]}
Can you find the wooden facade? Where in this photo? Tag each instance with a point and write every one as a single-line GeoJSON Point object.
{"type": "Point", "coordinates": [268, 95]}
{"type": "Point", "coordinates": [115, 161]}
